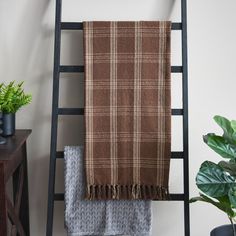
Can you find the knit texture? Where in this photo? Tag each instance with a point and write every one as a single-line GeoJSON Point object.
{"type": "Point", "coordinates": [100, 218]}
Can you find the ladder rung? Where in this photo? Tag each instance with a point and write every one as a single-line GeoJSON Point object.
{"type": "Point", "coordinates": [176, 69]}
{"type": "Point", "coordinates": [176, 26]}
{"type": "Point", "coordinates": [71, 69]}
{"type": "Point", "coordinates": [177, 155]}
{"type": "Point", "coordinates": [79, 26]}
{"type": "Point", "coordinates": [80, 111]}
{"type": "Point", "coordinates": [177, 197]}
{"type": "Point", "coordinates": [59, 197]}
{"type": "Point", "coordinates": [177, 112]}
{"type": "Point", "coordinates": [79, 69]}
{"type": "Point", "coordinates": [173, 197]}
{"type": "Point", "coordinates": [60, 155]}
{"type": "Point", "coordinates": [71, 25]}
{"type": "Point", "coordinates": [174, 155]}
{"type": "Point", "coordinates": [70, 111]}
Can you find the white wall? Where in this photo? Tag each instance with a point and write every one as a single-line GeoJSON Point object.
{"type": "Point", "coordinates": [26, 53]}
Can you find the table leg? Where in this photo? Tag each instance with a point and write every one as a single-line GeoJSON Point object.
{"type": "Point", "coordinates": [24, 205]}
{"type": "Point", "coordinates": [3, 206]}
{"type": "Point", "coordinates": [24, 210]}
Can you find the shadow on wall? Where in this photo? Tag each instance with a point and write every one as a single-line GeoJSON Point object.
{"type": "Point", "coordinates": [27, 54]}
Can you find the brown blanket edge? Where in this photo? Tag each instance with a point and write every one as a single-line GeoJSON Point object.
{"type": "Point", "coordinates": [121, 192]}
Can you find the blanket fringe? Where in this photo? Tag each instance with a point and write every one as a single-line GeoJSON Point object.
{"type": "Point", "coordinates": [129, 192]}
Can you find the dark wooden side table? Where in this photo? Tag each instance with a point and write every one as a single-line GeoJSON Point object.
{"type": "Point", "coordinates": [13, 163]}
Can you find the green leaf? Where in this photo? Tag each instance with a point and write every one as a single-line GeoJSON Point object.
{"type": "Point", "coordinates": [226, 125]}
{"type": "Point", "coordinates": [12, 97]}
{"type": "Point", "coordinates": [222, 205]}
{"type": "Point", "coordinates": [229, 167]}
{"type": "Point", "coordinates": [233, 125]}
{"type": "Point", "coordinates": [206, 137]}
{"type": "Point", "coordinates": [225, 200]}
{"type": "Point", "coordinates": [232, 197]}
{"type": "Point", "coordinates": [213, 180]}
{"type": "Point", "coordinates": [220, 146]}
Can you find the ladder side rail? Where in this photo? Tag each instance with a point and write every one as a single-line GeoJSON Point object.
{"type": "Point", "coordinates": [185, 117]}
{"type": "Point", "coordinates": [55, 112]}
{"type": "Point", "coordinates": [54, 124]}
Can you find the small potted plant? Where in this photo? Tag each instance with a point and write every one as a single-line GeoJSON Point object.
{"type": "Point", "coordinates": [12, 98]}
{"type": "Point", "coordinates": [216, 181]}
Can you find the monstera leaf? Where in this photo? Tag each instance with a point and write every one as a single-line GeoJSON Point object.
{"type": "Point", "coordinates": [213, 180]}
{"type": "Point", "coordinates": [220, 145]}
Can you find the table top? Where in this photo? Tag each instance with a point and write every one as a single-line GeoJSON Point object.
{"type": "Point", "coordinates": [13, 144]}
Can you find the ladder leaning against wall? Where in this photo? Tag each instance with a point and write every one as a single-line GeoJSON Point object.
{"type": "Point", "coordinates": [57, 111]}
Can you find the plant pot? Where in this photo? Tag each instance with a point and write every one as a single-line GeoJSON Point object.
{"type": "Point", "coordinates": [224, 230]}
{"type": "Point", "coordinates": [7, 126]}
{"type": "Point", "coordinates": [2, 140]}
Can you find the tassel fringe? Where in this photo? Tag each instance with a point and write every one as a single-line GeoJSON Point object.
{"type": "Point", "coordinates": [126, 192]}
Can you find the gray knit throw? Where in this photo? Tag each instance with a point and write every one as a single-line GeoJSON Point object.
{"type": "Point", "coordinates": [100, 218]}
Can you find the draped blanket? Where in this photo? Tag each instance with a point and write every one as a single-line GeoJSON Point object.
{"type": "Point", "coordinates": [97, 218]}
{"type": "Point", "coordinates": [127, 109]}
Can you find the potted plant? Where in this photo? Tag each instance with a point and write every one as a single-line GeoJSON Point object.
{"type": "Point", "coordinates": [12, 98]}
{"type": "Point", "coordinates": [216, 181]}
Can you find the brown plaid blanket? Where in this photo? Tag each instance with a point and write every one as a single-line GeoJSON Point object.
{"type": "Point", "coordinates": [127, 109]}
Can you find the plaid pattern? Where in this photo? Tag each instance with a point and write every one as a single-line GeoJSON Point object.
{"type": "Point", "coordinates": [127, 109]}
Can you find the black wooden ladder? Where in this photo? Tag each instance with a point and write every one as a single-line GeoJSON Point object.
{"type": "Point", "coordinates": [56, 111]}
